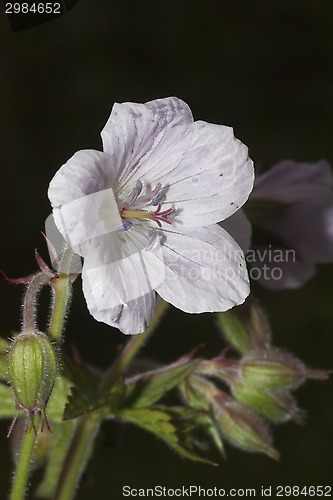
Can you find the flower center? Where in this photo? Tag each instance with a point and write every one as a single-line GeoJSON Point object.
{"type": "Point", "coordinates": [135, 206]}
{"type": "Point", "coordinates": [156, 216]}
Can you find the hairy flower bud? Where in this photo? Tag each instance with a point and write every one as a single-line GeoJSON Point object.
{"type": "Point", "coordinates": [243, 427]}
{"type": "Point", "coordinates": [32, 368]}
{"type": "Point", "coordinates": [278, 406]}
{"type": "Point", "coordinates": [271, 368]}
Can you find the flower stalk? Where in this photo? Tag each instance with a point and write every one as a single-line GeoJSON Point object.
{"type": "Point", "coordinates": [22, 471]}
{"type": "Point", "coordinates": [87, 427]}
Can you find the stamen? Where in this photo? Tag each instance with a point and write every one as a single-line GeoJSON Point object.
{"type": "Point", "coordinates": [134, 193]}
{"type": "Point", "coordinates": [158, 198]}
{"type": "Point", "coordinates": [127, 224]}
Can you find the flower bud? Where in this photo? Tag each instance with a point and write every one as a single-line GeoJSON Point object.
{"type": "Point", "coordinates": [32, 368]}
{"type": "Point", "coordinates": [278, 406]}
{"type": "Point", "coordinates": [271, 368]}
{"type": "Point", "coordinates": [246, 327]}
{"type": "Point", "coordinates": [243, 427]}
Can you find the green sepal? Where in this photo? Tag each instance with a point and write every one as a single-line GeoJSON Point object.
{"type": "Point", "coordinates": [234, 331]}
{"type": "Point", "coordinates": [246, 327]}
{"type": "Point", "coordinates": [277, 406]}
{"type": "Point", "coordinates": [192, 390]}
{"type": "Point", "coordinates": [172, 425]}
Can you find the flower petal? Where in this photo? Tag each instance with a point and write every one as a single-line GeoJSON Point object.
{"type": "Point", "coordinates": [290, 181]}
{"type": "Point", "coordinates": [239, 227]}
{"type": "Point", "coordinates": [214, 179]}
{"type": "Point", "coordinates": [86, 172]}
{"type": "Point", "coordinates": [83, 202]}
{"type": "Point", "coordinates": [276, 275]}
{"type": "Point", "coordinates": [205, 170]}
{"type": "Point", "coordinates": [204, 270]}
{"type": "Point", "coordinates": [134, 130]}
{"type": "Point", "coordinates": [308, 229]}
{"type": "Point", "coordinates": [119, 277]}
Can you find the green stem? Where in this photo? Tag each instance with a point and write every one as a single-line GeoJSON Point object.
{"type": "Point", "coordinates": [88, 425]}
{"type": "Point", "coordinates": [21, 476]}
{"type": "Point", "coordinates": [78, 455]}
{"type": "Point", "coordinates": [130, 351]}
{"type": "Point", "coordinates": [62, 293]}
{"type": "Point", "coordinates": [30, 300]}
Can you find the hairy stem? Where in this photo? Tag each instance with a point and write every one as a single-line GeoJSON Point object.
{"type": "Point", "coordinates": [30, 300]}
{"type": "Point", "coordinates": [22, 471]}
{"type": "Point", "coordinates": [62, 293]}
{"type": "Point", "coordinates": [88, 425]}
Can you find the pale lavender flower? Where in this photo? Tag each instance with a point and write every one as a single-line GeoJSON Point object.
{"type": "Point", "coordinates": [291, 208]}
{"type": "Point", "coordinates": [143, 213]}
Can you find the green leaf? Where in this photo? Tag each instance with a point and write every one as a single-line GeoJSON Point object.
{"type": "Point", "coordinates": [4, 344]}
{"type": "Point", "coordinates": [146, 389]}
{"type": "Point", "coordinates": [57, 402]}
{"type": "Point", "coordinates": [173, 425]}
{"type": "Point", "coordinates": [80, 402]}
{"type": "Point", "coordinates": [137, 392]}
{"type": "Point", "coordinates": [61, 438]}
{"type": "Point", "coordinates": [7, 402]}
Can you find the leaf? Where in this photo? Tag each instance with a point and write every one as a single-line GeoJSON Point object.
{"type": "Point", "coordinates": [57, 402]}
{"type": "Point", "coordinates": [80, 402]}
{"type": "Point", "coordinates": [172, 425]}
{"type": "Point", "coordinates": [7, 402]}
{"type": "Point", "coordinates": [146, 389]}
{"type": "Point", "coordinates": [4, 344]}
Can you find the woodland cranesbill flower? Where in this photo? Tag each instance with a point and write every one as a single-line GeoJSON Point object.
{"type": "Point", "coordinates": [291, 209]}
{"type": "Point", "coordinates": [143, 213]}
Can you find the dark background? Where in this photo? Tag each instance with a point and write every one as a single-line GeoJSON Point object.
{"type": "Point", "coordinates": [264, 68]}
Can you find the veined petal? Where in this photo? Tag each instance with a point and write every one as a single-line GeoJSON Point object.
{"type": "Point", "coordinates": [205, 270]}
{"type": "Point", "coordinates": [130, 318]}
{"type": "Point", "coordinates": [214, 178]}
{"type": "Point", "coordinates": [206, 171]}
{"type": "Point", "coordinates": [134, 131]}
{"type": "Point", "coordinates": [119, 277]}
{"type": "Point", "coordinates": [239, 227]}
{"type": "Point", "coordinates": [83, 201]}
{"type": "Point", "coordinates": [86, 172]}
